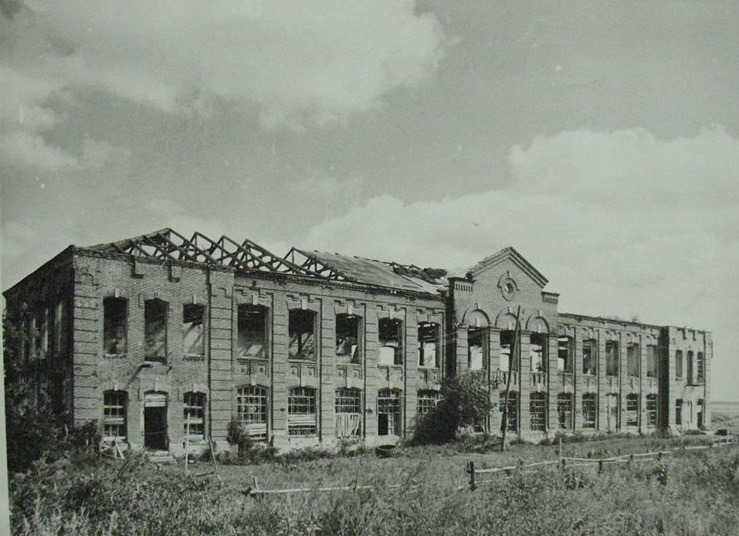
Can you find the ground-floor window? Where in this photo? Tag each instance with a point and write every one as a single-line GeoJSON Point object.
{"type": "Point", "coordinates": [301, 411]}
{"type": "Point", "coordinates": [632, 409]}
{"type": "Point", "coordinates": [427, 400]}
{"type": "Point", "coordinates": [589, 410]}
{"type": "Point", "coordinates": [251, 410]}
{"type": "Point", "coordinates": [348, 412]}
{"type": "Point", "coordinates": [651, 410]}
{"type": "Point", "coordinates": [679, 411]}
{"type": "Point", "coordinates": [612, 412]}
{"type": "Point", "coordinates": [114, 414]}
{"type": "Point", "coordinates": [538, 411]}
{"type": "Point", "coordinates": [194, 415]}
{"type": "Point", "coordinates": [512, 413]}
{"type": "Point", "coordinates": [388, 412]}
{"type": "Point", "coordinates": [564, 410]}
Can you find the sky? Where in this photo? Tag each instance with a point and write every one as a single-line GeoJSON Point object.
{"type": "Point", "coordinates": [600, 139]}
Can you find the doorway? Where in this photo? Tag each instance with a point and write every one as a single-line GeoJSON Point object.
{"type": "Point", "coordinates": [155, 421]}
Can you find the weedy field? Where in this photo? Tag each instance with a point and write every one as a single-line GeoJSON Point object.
{"type": "Point", "coordinates": [421, 490]}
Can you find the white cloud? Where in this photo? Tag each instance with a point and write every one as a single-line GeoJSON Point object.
{"type": "Point", "coordinates": [621, 222]}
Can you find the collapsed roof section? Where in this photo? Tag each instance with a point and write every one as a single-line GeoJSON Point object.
{"type": "Point", "coordinates": [167, 244]}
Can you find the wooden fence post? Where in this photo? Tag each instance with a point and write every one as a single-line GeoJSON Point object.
{"type": "Point", "coordinates": [471, 471]}
{"type": "Point", "coordinates": [600, 467]}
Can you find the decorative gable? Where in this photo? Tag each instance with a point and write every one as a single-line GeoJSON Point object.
{"type": "Point", "coordinates": [508, 255]}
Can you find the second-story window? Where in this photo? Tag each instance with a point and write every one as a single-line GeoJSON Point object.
{"type": "Point", "coordinates": [391, 342]}
{"type": "Point", "coordinates": [611, 358]}
{"type": "Point", "coordinates": [302, 334]}
{"type": "Point", "coordinates": [590, 357]}
{"type": "Point", "coordinates": [115, 312]}
{"type": "Point", "coordinates": [347, 338]}
{"type": "Point", "coordinates": [632, 360]}
{"type": "Point", "coordinates": [652, 361]}
{"type": "Point", "coordinates": [155, 330]}
{"type": "Point", "coordinates": [564, 355]}
{"type": "Point", "coordinates": [538, 352]}
{"type": "Point", "coordinates": [193, 333]}
{"type": "Point", "coordinates": [678, 364]}
{"type": "Point", "coordinates": [251, 331]}
{"type": "Point", "coordinates": [700, 367]}
{"type": "Point", "coordinates": [428, 345]}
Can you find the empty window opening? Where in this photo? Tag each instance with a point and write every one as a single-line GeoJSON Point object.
{"type": "Point", "coordinates": [155, 330]}
{"type": "Point", "coordinates": [391, 342]}
{"type": "Point", "coordinates": [700, 413]}
{"type": "Point", "coordinates": [251, 411]}
{"type": "Point", "coordinates": [613, 422]}
{"type": "Point", "coordinates": [155, 421]}
{"type": "Point", "coordinates": [690, 367]}
{"type": "Point", "coordinates": [538, 352]}
{"type": "Point", "coordinates": [652, 361]}
{"type": "Point", "coordinates": [512, 413]}
{"type": "Point", "coordinates": [564, 410]}
{"type": "Point", "coordinates": [700, 367]}
{"type": "Point", "coordinates": [348, 413]}
{"type": "Point", "coordinates": [632, 360]}
{"type": "Point", "coordinates": [678, 364]}
{"type": "Point", "coordinates": [590, 357]}
{"type": "Point", "coordinates": [564, 355]}
{"type": "Point", "coordinates": [428, 345]}
{"type": "Point", "coordinates": [194, 415]}
{"type": "Point", "coordinates": [589, 410]}
{"type": "Point", "coordinates": [632, 409]}
{"type": "Point", "coordinates": [612, 358]}
{"type": "Point", "coordinates": [193, 332]}
{"type": "Point", "coordinates": [538, 411]}
{"type": "Point", "coordinates": [651, 406]}
{"type": "Point", "coordinates": [115, 340]}
{"type": "Point", "coordinates": [427, 400]}
{"type": "Point", "coordinates": [388, 412]}
{"type": "Point", "coordinates": [508, 354]}
{"type": "Point", "coordinates": [114, 415]}
{"type": "Point", "coordinates": [347, 338]}
{"type": "Point", "coordinates": [477, 348]}
{"type": "Point", "coordinates": [679, 412]}
{"type": "Point", "coordinates": [59, 328]}
{"type": "Point", "coordinates": [252, 331]}
{"type": "Point", "coordinates": [301, 412]}
{"type": "Point", "coordinates": [302, 335]}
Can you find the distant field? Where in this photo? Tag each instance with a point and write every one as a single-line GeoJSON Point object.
{"type": "Point", "coordinates": [724, 407]}
{"type": "Point", "coordinates": [725, 415]}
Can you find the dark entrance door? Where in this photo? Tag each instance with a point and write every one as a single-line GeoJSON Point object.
{"type": "Point", "coordinates": [155, 421]}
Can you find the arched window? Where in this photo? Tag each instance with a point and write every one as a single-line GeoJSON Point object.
{"type": "Point", "coordinates": [538, 411]}
{"type": "Point", "coordinates": [114, 415]}
{"type": "Point", "coordinates": [589, 410]}
{"type": "Point", "coordinates": [251, 410]}
{"type": "Point", "coordinates": [564, 410]}
{"type": "Point", "coordinates": [348, 412]}
{"type": "Point", "coordinates": [301, 412]}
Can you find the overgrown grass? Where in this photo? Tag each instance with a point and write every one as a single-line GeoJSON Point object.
{"type": "Point", "coordinates": [692, 492]}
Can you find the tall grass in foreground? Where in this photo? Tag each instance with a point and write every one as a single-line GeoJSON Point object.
{"type": "Point", "coordinates": [693, 493]}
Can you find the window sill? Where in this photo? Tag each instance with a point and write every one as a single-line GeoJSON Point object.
{"type": "Point", "coordinates": [190, 357]}
{"type": "Point", "coordinates": [115, 356]}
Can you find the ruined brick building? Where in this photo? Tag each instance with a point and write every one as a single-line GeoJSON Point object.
{"type": "Point", "coordinates": [159, 336]}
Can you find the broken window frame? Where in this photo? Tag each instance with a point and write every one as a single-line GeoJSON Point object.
{"type": "Point", "coordinates": [651, 410]}
{"type": "Point", "coordinates": [632, 409]}
{"type": "Point", "coordinates": [678, 412]}
{"type": "Point", "coordinates": [678, 364]}
{"type": "Point", "coordinates": [302, 330]}
{"type": "Point", "coordinates": [652, 361]}
{"type": "Point", "coordinates": [589, 410]}
{"type": "Point", "coordinates": [538, 411]}
{"type": "Point", "coordinates": [58, 327]}
{"type": "Point", "coordinates": [590, 357]}
{"type": "Point", "coordinates": [252, 332]}
{"type": "Point", "coordinates": [348, 338]}
{"type": "Point", "coordinates": [508, 362]}
{"type": "Point", "coordinates": [115, 326]}
{"type": "Point", "coordinates": [389, 404]}
{"type": "Point", "coordinates": [252, 410]}
{"type": "Point", "coordinates": [193, 414]}
{"type": "Point", "coordinates": [700, 367]}
{"type": "Point", "coordinates": [540, 340]}
{"type": "Point", "coordinates": [193, 327]}
{"type": "Point", "coordinates": [429, 334]}
{"type": "Point", "coordinates": [565, 355]}
{"type": "Point", "coordinates": [512, 414]}
{"type": "Point", "coordinates": [390, 335]}
{"type": "Point", "coordinates": [426, 401]}
{"type": "Point", "coordinates": [156, 315]}
{"type": "Point", "coordinates": [565, 411]}
{"type": "Point", "coordinates": [115, 421]}
{"type": "Point", "coordinates": [478, 348]}
{"type": "Point", "coordinates": [302, 415]}
{"type": "Point", "coordinates": [633, 360]}
{"type": "Point", "coordinates": [612, 359]}
{"type": "Point", "coordinates": [348, 412]}
{"type": "Point", "coordinates": [690, 366]}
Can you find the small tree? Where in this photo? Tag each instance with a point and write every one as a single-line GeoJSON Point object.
{"type": "Point", "coordinates": [464, 401]}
